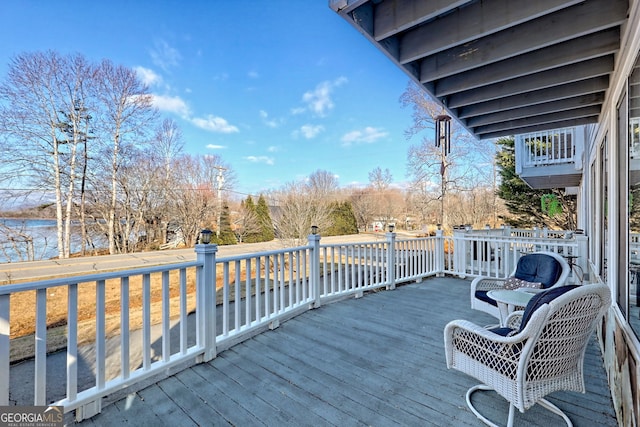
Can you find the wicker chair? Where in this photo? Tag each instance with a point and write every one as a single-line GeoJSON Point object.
{"type": "Point", "coordinates": [542, 351]}
{"type": "Point", "coordinates": [548, 268]}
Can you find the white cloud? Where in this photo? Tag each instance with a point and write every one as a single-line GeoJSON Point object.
{"type": "Point", "coordinates": [319, 100]}
{"type": "Point", "coordinates": [164, 56]}
{"type": "Point", "coordinates": [148, 76]}
{"type": "Point", "coordinates": [253, 74]}
{"type": "Point", "coordinates": [260, 159]}
{"type": "Point", "coordinates": [367, 135]}
{"type": "Point", "coordinates": [272, 123]}
{"type": "Point", "coordinates": [215, 147]}
{"type": "Point", "coordinates": [214, 124]}
{"type": "Point", "coordinates": [273, 149]}
{"type": "Point", "coordinates": [176, 105]}
{"type": "Point", "coordinates": [311, 131]}
{"type": "Point", "coordinates": [173, 104]}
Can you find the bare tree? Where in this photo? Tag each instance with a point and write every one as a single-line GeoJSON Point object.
{"type": "Point", "coordinates": [363, 204]}
{"type": "Point", "coordinates": [45, 98]}
{"type": "Point", "coordinates": [193, 191]}
{"type": "Point", "coordinates": [129, 114]}
{"type": "Point", "coordinates": [435, 172]}
{"type": "Point", "coordinates": [323, 185]}
{"type": "Point", "coordinates": [168, 143]}
{"type": "Point", "coordinates": [297, 210]}
{"type": "Point", "coordinates": [379, 179]}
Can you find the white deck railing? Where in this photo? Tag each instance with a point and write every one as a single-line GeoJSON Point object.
{"type": "Point", "coordinates": [190, 311]}
{"type": "Point", "coordinates": [552, 147]}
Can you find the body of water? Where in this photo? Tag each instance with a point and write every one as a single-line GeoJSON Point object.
{"type": "Point", "coordinates": [15, 248]}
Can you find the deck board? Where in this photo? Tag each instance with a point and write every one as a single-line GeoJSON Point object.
{"type": "Point", "coordinates": [377, 361]}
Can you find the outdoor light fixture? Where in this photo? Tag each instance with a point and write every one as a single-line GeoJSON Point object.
{"type": "Point", "coordinates": [439, 226]}
{"type": "Point", "coordinates": [205, 236]}
{"type": "Point", "coordinates": [314, 229]}
{"type": "Point", "coordinates": [391, 228]}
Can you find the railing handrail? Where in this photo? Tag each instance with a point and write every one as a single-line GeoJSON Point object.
{"type": "Point", "coordinates": [93, 277]}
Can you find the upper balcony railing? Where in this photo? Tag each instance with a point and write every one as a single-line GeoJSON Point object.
{"type": "Point", "coordinates": [548, 147]}
{"type": "Point", "coordinates": [551, 158]}
{"type": "Point", "coordinates": [126, 327]}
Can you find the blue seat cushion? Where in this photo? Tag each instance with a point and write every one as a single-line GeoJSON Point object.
{"type": "Point", "coordinates": [482, 296]}
{"type": "Point", "coordinates": [542, 298]}
{"type": "Point", "coordinates": [503, 331]}
{"type": "Point", "coordinates": [539, 268]}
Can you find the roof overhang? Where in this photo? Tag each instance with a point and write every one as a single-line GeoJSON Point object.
{"type": "Point", "coordinates": [500, 67]}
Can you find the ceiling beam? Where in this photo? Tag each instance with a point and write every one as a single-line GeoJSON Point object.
{"type": "Point", "coordinates": [537, 110]}
{"type": "Point", "coordinates": [395, 16]}
{"type": "Point", "coordinates": [584, 112]}
{"type": "Point", "coordinates": [556, 77]}
{"type": "Point", "coordinates": [474, 21]}
{"type": "Point", "coordinates": [572, 51]}
{"type": "Point", "coordinates": [546, 126]}
{"type": "Point", "coordinates": [583, 87]}
{"type": "Point", "coordinates": [564, 25]}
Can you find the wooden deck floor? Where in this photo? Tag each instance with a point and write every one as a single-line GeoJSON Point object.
{"type": "Point", "coordinates": [377, 360]}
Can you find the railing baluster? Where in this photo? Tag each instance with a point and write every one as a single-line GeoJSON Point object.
{"type": "Point", "coordinates": [146, 321]}
{"type": "Point", "coordinates": [184, 331]}
{"type": "Point", "coordinates": [72, 341]}
{"type": "Point", "coordinates": [124, 328]}
{"type": "Point", "coordinates": [248, 297]}
{"type": "Point", "coordinates": [305, 274]}
{"type": "Point", "coordinates": [225, 299]}
{"type": "Point", "coordinates": [101, 334]}
{"type": "Point", "coordinates": [323, 269]}
{"type": "Point", "coordinates": [40, 371]}
{"type": "Point", "coordinates": [334, 271]}
{"type": "Point", "coordinates": [258, 290]}
{"type": "Point", "coordinates": [238, 297]}
{"type": "Point", "coordinates": [356, 267]}
{"type": "Point", "coordinates": [292, 301]}
{"type": "Point", "coordinates": [282, 282]}
{"type": "Point", "coordinates": [267, 286]}
{"type": "Point", "coordinates": [5, 347]}
{"type": "Point", "coordinates": [166, 318]}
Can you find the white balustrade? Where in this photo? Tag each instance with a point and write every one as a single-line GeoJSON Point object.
{"type": "Point", "coordinates": [235, 298]}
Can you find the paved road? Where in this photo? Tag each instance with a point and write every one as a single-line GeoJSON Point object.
{"type": "Point", "coordinates": [38, 270]}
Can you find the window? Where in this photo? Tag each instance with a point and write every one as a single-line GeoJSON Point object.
{"type": "Point", "coordinates": [631, 253]}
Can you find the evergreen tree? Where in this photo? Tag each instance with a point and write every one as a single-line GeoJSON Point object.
{"type": "Point", "coordinates": [226, 237]}
{"type": "Point", "coordinates": [251, 208]}
{"type": "Point", "coordinates": [262, 210]}
{"type": "Point", "coordinates": [265, 231]}
{"type": "Point", "coordinates": [528, 207]}
{"type": "Point", "coordinates": [343, 220]}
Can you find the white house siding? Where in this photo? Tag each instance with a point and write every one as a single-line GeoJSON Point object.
{"type": "Point", "coordinates": [621, 347]}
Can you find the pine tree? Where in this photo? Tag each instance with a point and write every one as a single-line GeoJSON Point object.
{"type": "Point", "coordinates": [262, 210]}
{"type": "Point", "coordinates": [526, 204]}
{"type": "Point", "coordinates": [226, 237]}
{"type": "Point", "coordinates": [343, 220]}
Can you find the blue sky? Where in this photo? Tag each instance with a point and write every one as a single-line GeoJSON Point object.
{"type": "Point", "coordinates": [278, 89]}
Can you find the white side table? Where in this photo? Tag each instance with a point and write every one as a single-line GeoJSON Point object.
{"type": "Point", "coordinates": [508, 300]}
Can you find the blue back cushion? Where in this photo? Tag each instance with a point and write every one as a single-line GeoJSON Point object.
{"type": "Point", "coordinates": [542, 298]}
{"type": "Point", "coordinates": [539, 268]}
